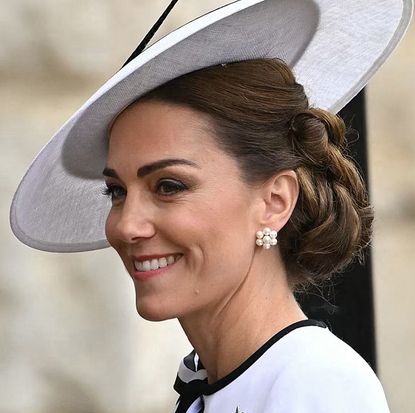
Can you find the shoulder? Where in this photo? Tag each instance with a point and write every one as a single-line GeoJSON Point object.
{"type": "Point", "coordinates": [321, 373]}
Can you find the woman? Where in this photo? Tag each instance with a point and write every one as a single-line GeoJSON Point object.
{"type": "Point", "coordinates": [228, 192]}
{"type": "Point", "coordinates": [207, 168]}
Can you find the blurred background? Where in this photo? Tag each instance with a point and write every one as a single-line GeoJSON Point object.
{"type": "Point", "coordinates": [70, 339]}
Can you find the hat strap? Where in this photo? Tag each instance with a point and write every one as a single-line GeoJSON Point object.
{"type": "Point", "coordinates": [151, 33]}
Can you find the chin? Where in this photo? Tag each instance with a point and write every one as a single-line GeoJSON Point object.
{"type": "Point", "coordinates": [153, 312]}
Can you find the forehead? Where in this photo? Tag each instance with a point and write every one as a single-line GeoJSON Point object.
{"type": "Point", "coordinates": [149, 132]}
{"type": "Point", "coordinates": [155, 129]}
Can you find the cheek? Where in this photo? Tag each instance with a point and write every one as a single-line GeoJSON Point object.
{"type": "Point", "coordinates": [230, 230]}
{"type": "Point", "coordinates": [216, 232]}
{"type": "Point", "coordinates": [110, 231]}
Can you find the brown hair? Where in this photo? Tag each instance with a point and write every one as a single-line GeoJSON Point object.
{"type": "Point", "coordinates": [262, 118]}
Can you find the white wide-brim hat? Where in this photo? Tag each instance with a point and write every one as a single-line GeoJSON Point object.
{"type": "Point", "coordinates": [333, 47]}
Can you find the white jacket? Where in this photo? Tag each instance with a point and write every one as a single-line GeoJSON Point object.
{"type": "Point", "coordinates": [302, 369]}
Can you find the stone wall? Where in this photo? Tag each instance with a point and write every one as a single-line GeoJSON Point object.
{"type": "Point", "coordinates": [391, 110]}
{"type": "Point", "coordinates": [70, 338]}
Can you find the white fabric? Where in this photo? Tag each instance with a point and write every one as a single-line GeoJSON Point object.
{"type": "Point", "coordinates": [309, 370]}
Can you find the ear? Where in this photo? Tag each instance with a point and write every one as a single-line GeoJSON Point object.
{"type": "Point", "coordinates": [280, 194]}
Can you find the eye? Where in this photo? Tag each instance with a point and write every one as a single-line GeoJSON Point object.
{"type": "Point", "coordinates": [115, 192]}
{"type": "Point", "coordinates": [167, 187]}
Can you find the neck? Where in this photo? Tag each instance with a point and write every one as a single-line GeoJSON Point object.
{"type": "Point", "coordinates": [227, 335]}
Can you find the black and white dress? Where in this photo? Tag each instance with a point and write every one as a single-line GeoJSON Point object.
{"type": "Point", "coordinates": [304, 368]}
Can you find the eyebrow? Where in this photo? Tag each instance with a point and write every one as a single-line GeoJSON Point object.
{"type": "Point", "coordinates": [152, 167]}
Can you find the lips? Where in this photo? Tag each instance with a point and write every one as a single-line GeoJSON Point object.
{"type": "Point", "coordinates": [155, 262]}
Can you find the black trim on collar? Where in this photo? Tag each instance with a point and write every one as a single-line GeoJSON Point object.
{"type": "Point", "coordinates": [189, 390]}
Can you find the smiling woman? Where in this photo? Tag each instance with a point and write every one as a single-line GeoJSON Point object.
{"type": "Point", "coordinates": [228, 187]}
{"type": "Point", "coordinates": [220, 285]}
{"type": "Point", "coordinates": [182, 208]}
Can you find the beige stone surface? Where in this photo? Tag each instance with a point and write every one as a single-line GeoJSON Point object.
{"type": "Point", "coordinates": [70, 340]}
{"type": "Point", "coordinates": [391, 110]}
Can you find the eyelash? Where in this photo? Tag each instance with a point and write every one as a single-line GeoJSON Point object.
{"type": "Point", "coordinates": [178, 185]}
{"type": "Point", "coordinates": [110, 189]}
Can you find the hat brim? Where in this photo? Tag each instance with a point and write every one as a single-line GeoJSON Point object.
{"type": "Point", "coordinates": [334, 48]}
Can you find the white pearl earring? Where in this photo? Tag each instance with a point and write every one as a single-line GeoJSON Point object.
{"type": "Point", "coordinates": [266, 238]}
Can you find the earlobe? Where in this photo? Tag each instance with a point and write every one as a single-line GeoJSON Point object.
{"type": "Point", "coordinates": [280, 196]}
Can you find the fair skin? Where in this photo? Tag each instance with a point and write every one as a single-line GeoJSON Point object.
{"type": "Point", "coordinates": [229, 295]}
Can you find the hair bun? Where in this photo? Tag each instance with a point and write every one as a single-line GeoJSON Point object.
{"type": "Point", "coordinates": [315, 133]}
{"type": "Point", "coordinates": [316, 119]}
{"type": "Point", "coordinates": [333, 193]}
{"type": "Point", "coordinates": [319, 139]}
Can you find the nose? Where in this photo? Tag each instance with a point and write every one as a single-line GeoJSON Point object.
{"type": "Point", "coordinates": [130, 222]}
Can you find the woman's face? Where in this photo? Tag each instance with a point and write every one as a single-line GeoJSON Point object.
{"type": "Point", "coordinates": [182, 220]}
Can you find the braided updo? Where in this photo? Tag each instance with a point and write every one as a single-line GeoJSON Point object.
{"type": "Point", "coordinates": [262, 118]}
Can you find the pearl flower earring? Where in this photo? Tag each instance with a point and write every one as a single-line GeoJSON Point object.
{"type": "Point", "coordinates": [266, 238]}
